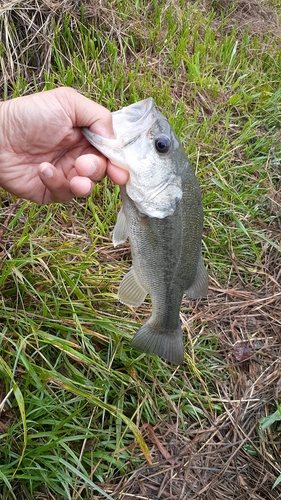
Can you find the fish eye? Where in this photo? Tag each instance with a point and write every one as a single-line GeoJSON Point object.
{"type": "Point", "coordinates": [162, 143]}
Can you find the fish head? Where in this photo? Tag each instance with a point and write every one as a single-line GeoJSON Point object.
{"type": "Point", "coordinates": [148, 148]}
{"type": "Point", "coordinates": [155, 159]}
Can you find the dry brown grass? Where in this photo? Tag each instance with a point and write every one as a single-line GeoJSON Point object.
{"type": "Point", "coordinates": [256, 16]}
{"type": "Point", "coordinates": [27, 30]}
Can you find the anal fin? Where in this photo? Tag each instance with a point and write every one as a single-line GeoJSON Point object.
{"type": "Point", "coordinates": [199, 287]}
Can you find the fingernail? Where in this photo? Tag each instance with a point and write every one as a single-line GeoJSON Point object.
{"type": "Point", "coordinates": [47, 172]}
{"type": "Point", "coordinates": [88, 188]}
{"type": "Point", "coordinates": [92, 169]}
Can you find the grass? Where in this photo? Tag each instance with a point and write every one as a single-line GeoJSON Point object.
{"type": "Point", "coordinates": [74, 398]}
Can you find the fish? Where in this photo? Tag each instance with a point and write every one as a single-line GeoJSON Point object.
{"type": "Point", "coordinates": [162, 215]}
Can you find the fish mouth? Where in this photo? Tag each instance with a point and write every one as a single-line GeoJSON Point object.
{"type": "Point", "coordinates": [136, 112]}
{"type": "Point", "coordinates": [129, 123]}
{"type": "Point", "coordinates": [137, 118]}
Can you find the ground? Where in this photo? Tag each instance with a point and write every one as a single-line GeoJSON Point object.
{"type": "Point", "coordinates": [81, 414]}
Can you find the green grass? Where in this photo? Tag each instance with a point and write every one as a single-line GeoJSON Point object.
{"type": "Point", "coordinates": [77, 395]}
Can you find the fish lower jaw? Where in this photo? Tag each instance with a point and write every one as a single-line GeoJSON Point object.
{"type": "Point", "coordinates": [157, 204]}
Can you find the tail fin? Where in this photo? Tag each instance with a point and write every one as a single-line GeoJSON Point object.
{"type": "Point", "coordinates": [167, 345]}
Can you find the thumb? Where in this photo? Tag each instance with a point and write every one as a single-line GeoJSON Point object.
{"type": "Point", "coordinates": [86, 113]}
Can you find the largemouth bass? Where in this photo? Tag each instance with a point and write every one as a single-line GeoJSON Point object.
{"type": "Point", "coordinates": [162, 214]}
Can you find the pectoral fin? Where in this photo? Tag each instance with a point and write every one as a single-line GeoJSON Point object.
{"type": "Point", "coordinates": [131, 292]}
{"type": "Point", "coordinates": [120, 231]}
{"type": "Point", "coordinates": [199, 288]}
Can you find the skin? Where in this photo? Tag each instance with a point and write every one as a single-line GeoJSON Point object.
{"type": "Point", "coordinates": [43, 155]}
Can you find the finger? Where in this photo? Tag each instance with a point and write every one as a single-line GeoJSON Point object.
{"type": "Point", "coordinates": [86, 113]}
{"type": "Point", "coordinates": [57, 186]}
{"type": "Point", "coordinates": [91, 165]}
{"type": "Point", "coordinates": [81, 186]}
{"type": "Point", "coordinates": [116, 174]}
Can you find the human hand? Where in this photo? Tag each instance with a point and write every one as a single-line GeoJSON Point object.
{"type": "Point", "coordinates": [44, 156]}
